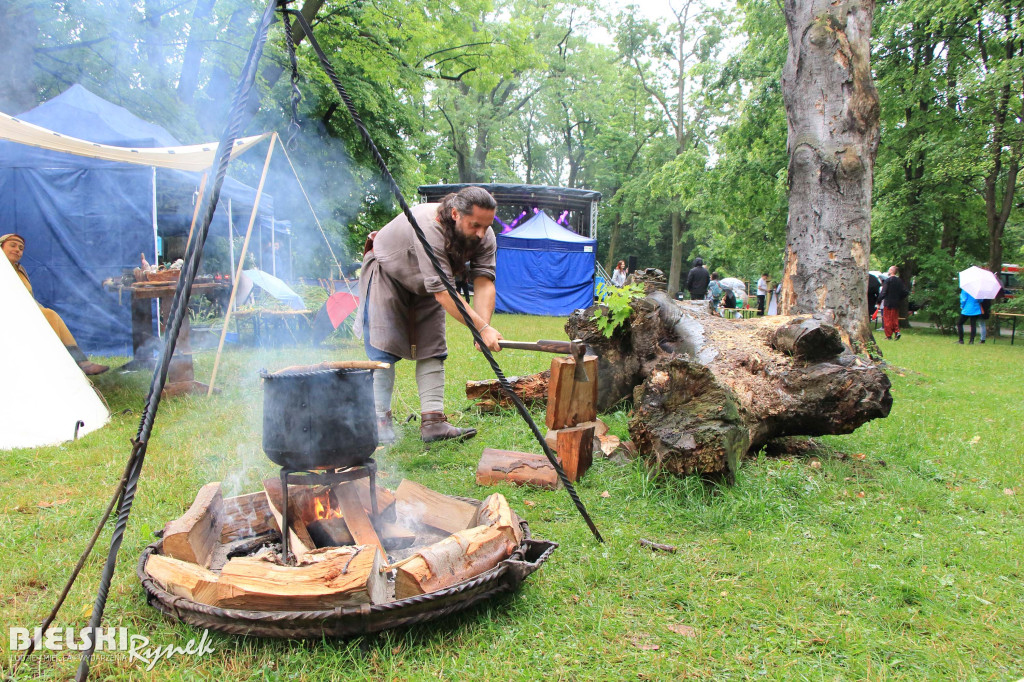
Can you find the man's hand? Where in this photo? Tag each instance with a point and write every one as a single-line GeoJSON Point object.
{"type": "Point", "coordinates": [491, 336]}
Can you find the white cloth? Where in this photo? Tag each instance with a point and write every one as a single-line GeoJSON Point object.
{"type": "Point", "coordinates": [762, 287]}
{"type": "Point", "coordinates": [619, 277]}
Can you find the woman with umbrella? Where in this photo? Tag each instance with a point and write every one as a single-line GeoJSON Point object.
{"type": "Point", "coordinates": [976, 284]}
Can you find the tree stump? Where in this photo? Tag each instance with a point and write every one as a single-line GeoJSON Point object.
{"type": "Point", "coordinates": [708, 391]}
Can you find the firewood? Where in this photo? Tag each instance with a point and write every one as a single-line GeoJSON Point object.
{"type": "Point", "coordinates": [496, 512]}
{"type": "Point", "coordinates": [330, 532]}
{"type": "Point", "coordinates": [355, 516]}
{"type": "Point", "coordinates": [520, 468]}
{"type": "Point", "coordinates": [600, 429]}
{"type": "Point", "coordinates": [420, 503]}
{"type": "Point", "coordinates": [570, 401]}
{"type": "Point", "coordinates": [576, 450]}
{"type": "Point", "coordinates": [194, 536]}
{"type": "Point", "coordinates": [183, 578]}
{"type": "Point", "coordinates": [532, 389]}
{"type": "Point", "coordinates": [458, 557]}
{"type": "Point", "coordinates": [299, 541]}
{"type": "Point", "coordinates": [324, 579]}
{"type": "Point", "coordinates": [385, 499]}
{"type": "Point", "coordinates": [246, 516]}
{"type": "Point", "coordinates": [394, 536]}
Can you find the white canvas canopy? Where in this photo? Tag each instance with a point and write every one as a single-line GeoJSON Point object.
{"type": "Point", "coordinates": [43, 393]}
{"type": "Point", "coordinates": [190, 157]}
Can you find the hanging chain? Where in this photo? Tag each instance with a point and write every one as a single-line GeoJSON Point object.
{"type": "Point", "coordinates": [294, 128]}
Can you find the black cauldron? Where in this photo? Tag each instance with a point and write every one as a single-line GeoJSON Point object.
{"type": "Point", "coordinates": [320, 418]}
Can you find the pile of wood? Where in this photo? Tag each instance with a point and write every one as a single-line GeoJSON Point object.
{"type": "Point", "coordinates": [226, 552]}
{"type": "Point", "coordinates": [574, 431]}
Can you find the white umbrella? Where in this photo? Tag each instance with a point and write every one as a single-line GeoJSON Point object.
{"type": "Point", "coordinates": [737, 286]}
{"type": "Point", "coordinates": [979, 283]}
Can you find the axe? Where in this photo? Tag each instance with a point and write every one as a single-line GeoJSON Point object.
{"type": "Point", "coordinates": [576, 348]}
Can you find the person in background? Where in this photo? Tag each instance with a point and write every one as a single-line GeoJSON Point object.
{"type": "Point", "coordinates": [874, 287]}
{"type": "Point", "coordinates": [697, 280]}
{"type": "Point", "coordinates": [892, 294]}
{"type": "Point", "coordinates": [619, 274]}
{"type": "Point", "coordinates": [13, 246]}
{"type": "Point", "coordinates": [970, 309]}
{"type": "Point", "coordinates": [762, 293]}
{"type": "Point", "coordinates": [714, 292]}
{"type": "Point", "coordinates": [403, 301]}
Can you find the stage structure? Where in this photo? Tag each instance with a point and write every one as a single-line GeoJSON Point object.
{"type": "Point", "coordinates": [573, 209]}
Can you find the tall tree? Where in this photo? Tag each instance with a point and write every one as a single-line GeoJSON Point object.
{"type": "Point", "coordinates": [832, 112]}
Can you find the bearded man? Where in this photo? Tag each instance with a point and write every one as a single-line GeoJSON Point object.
{"type": "Point", "coordinates": [403, 302]}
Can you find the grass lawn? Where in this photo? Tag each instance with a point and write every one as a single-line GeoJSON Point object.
{"type": "Point", "coordinates": [900, 557]}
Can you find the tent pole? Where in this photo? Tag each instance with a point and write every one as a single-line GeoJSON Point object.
{"type": "Point", "coordinates": [231, 236]}
{"type": "Point", "coordinates": [195, 213]}
{"type": "Point", "coordinates": [156, 254]}
{"type": "Point", "coordinates": [273, 248]}
{"type": "Point", "coordinates": [241, 262]}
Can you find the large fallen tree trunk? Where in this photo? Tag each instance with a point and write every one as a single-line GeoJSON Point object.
{"type": "Point", "coordinates": [707, 391]}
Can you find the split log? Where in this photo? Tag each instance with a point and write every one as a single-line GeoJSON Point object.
{"type": "Point", "coordinates": [520, 468]}
{"type": "Point", "coordinates": [709, 391]}
{"type": "Point", "coordinates": [330, 532]}
{"type": "Point", "coordinates": [575, 447]}
{"type": "Point", "coordinates": [299, 542]}
{"type": "Point", "coordinates": [355, 516]}
{"type": "Point", "coordinates": [324, 579]}
{"type": "Point", "coordinates": [183, 578]}
{"type": "Point", "coordinates": [194, 536]}
{"type": "Point", "coordinates": [385, 499]}
{"type": "Point", "coordinates": [532, 389]}
{"type": "Point", "coordinates": [246, 516]}
{"type": "Point", "coordinates": [600, 429]}
{"type": "Point", "coordinates": [496, 513]}
{"type": "Point", "coordinates": [458, 557]}
{"type": "Point", "coordinates": [570, 401]}
{"type": "Point", "coordinates": [421, 504]}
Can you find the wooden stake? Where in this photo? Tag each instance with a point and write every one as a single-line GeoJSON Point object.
{"type": "Point", "coordinates": [241, 263]}
{"type": "Point", "coordinates": [195, 213]}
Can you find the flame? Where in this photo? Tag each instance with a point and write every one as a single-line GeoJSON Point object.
{"type": "Point", "coordinates": [325, 512]}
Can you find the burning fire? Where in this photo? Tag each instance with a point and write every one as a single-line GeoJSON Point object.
{"type": "Point", "coordinates": [325, 512]}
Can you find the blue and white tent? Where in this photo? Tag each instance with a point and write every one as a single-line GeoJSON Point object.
{"type": "Point", "coordinates": [544, 269]}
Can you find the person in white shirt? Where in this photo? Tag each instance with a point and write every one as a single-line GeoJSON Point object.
{"type": "Point", "coordinates": [762, 293]}
{"type": "Point", "coordinates": [619, 274]}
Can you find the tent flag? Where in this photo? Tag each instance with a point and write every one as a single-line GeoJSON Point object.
{"type": "Point", "coordinates": [544, 269]}
{"type": "Point", "coordinates": [191, 157]}
{"type": "Point", "coordinates": [44, 394]}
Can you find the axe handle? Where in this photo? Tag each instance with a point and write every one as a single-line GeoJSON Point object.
{"type": "Point", "coordinates": [563, 347]}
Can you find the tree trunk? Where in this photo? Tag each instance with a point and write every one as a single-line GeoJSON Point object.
{"type": "Point", "coordinates": [193, 56]}
{"type": "Point", "coordinates": [709, 391]}
{"type": "Point", "coordinates": [832, 111]}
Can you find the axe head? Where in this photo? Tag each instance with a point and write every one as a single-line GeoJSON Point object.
{"type": "Point", "coordinates": [578, 349]}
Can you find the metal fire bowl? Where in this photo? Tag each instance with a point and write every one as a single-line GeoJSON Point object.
{"type": "Point", "coordinates": [351, 621]}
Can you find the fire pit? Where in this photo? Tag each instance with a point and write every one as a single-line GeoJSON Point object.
{"type": "Point", "coordinates": [203, 592]}
{"type": "Point", "coordinates": [322, 550]}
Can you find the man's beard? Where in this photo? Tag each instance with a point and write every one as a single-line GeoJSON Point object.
{"type": "Point", "coordinates": [460, 248]}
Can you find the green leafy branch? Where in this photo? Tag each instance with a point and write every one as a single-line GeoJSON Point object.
{"type": "Point", "coordinates": [617, 306]}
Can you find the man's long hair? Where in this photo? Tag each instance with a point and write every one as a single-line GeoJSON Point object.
{"type": "Point", "coordinates": [457, 247]}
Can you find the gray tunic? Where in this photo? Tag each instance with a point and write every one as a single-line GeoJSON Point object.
{"type": "Point", "coordinates": [405, 318]}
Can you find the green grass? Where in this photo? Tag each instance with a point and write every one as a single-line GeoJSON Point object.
{"type": "Point", "coordinates": [903, 564]}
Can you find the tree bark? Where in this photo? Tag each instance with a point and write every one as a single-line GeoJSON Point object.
{"type": "Point", "coordinates": [832, 112]}
{"type": "Point", "coordinates": [708, 391]}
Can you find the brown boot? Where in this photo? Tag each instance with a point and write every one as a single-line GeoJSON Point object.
{"type": "Point", "coordinates": [434, 426]}
{"type": "Point", "coordinates": [385, 429]}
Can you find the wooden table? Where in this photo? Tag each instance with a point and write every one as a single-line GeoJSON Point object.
{"type": "Point", "coordinates": [180, 374]}
{"type": "Point", "coordinates": [1013, 317]}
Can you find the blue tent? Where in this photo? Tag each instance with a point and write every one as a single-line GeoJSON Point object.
{"type": "Point", "coordinates": [85, 220]}
{"type": "Point", "coordinates": [544, 269]}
